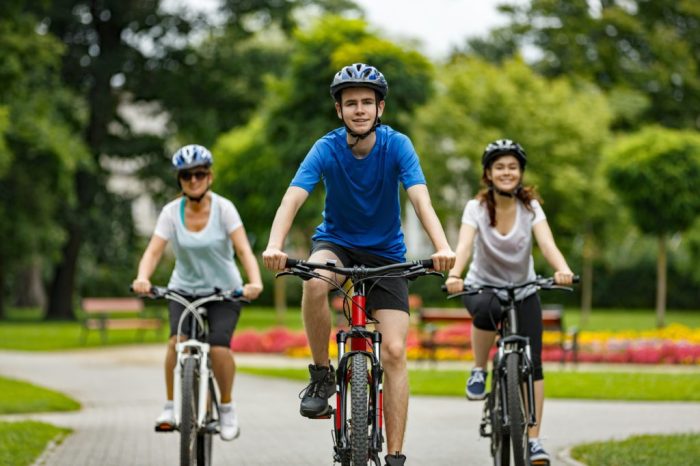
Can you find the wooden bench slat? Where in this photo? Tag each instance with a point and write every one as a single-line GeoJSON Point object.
{"type": "Point", "coordinates": [100, 314]}
{"type": "Point", "coordinates": [111, 305]}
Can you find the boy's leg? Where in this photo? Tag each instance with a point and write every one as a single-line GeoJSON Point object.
{"type": "Point", "coordinates": [394, 326]}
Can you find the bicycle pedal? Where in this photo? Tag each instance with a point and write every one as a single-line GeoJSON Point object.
{"type": "Point", "coordinates": [327, 415]}
{"type": "Point", "coordinates": [165, 427]}
{"type": "Point", "coordinates": [212, 427]}
{"type": "Point", "coordinates": [539, 463]}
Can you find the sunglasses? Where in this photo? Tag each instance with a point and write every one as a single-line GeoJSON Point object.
{"type": "Point", "coordinates": [198, 175]}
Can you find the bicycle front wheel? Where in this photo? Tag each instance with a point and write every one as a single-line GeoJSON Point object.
{"type": "Point", "coordinates": [359, 411]}
{"type": "Point", "coordinates": [516, 410]}
{"type": "Point", "coordinates": [188, 424]}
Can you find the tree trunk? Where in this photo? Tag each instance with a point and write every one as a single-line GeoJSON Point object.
{"type": "Point", "coordinates": [2, 288]}
{"type": "Point", "coordinates": [29, 289]}
{"type": "Point", "coordinates": [661, 283]}
{"type": "Point", "coordinates": [61, 295]}
{"type": "Point", "coordinates": [587, 278]}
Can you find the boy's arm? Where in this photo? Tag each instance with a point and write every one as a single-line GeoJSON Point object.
{"type": "Point", "coordinates": [273, 256]}
{"type": "Point", "coordinates": [444, 257]}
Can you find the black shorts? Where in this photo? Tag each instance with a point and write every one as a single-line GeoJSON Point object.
{"type": "Point", "coordinates": [486, 311]}
{"type": "Point", "coordinates": [385, 293]}
{"type": "Point", "coordinates": [222, 318]}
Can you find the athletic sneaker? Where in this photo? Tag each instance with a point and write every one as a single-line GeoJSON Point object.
{"type": "Point", "coordinates": [395, 460]}
{"type": "Point", "coordinates": [476, 385]}
{"type": "Point", "coordinates": [228, 422]}
{"type": "Point", "coordinates": [167, 417]}
{"type": "Point", "coordinates": [537, 453]}
{"type": "Point", "coordinates": [314, 401]}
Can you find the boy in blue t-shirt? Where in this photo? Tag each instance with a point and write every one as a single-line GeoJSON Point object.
{"type": "Point", "coordinates": [361, 166]}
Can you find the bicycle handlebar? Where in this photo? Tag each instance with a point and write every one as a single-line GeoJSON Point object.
{"type": "Point", "coordinates": [542, 283]}
{"type": "Point", "coordinates": [162, 292]}
{"type": "Point", "coordinates": [365, 271]}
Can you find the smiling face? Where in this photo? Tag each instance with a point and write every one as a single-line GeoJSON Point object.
{"type": "Point", "coordinates": [359, 108]}
{"type": "Point", "coordinates": [505, 173]}
{"type": "Point", "coordinates": [195, 181]}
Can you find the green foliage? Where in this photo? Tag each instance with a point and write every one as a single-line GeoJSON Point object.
{"type": "Point", "coordinates": [645, 50]}
{"type": "Point", "coordinates": [258, 161]}
{"type": "Point", "coordinates": [22, 397]}
{"type": "Point", "coordinates": [638, 386]}
{"type": "Point", "coordinates": [642, 450]}
{"type": "Point", "coordinates": [655, 173]}
{"type": "Point", "coordinates": [21, 443]}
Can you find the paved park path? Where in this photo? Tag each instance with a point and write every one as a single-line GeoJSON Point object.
{"type": "Point", "coordinates": [121, 391]}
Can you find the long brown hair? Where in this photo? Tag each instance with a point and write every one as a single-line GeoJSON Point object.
{"type": "Point", "coordinates": [486, 195]}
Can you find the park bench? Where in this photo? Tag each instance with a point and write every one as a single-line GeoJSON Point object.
{"type": "Point", "coordinates": [430, 318]}
{"type": "Point", "coordinates": [105, 314]}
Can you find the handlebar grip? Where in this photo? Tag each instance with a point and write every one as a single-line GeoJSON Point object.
{"type": "Point", "coordinates": [427, 263]}
{"type": "Point", "coordinates": [291, 263]}
{"type": "Point", "coordinates": [576, 279]}
{"type": "Point", "coordinates": [443, 287]}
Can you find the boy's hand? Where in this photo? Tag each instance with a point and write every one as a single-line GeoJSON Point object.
{"type": "Point", "coordinates": [274, 259]}
{"type": "Point", "coordinates": [443, 260]}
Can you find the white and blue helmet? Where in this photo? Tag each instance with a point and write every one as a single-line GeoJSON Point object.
{"type": "Point", "coordinates": [192, 155]}
{"type": "Point", "coordinates": [359, 75]}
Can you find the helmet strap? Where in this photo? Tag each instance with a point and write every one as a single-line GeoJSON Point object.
{"type": "Point", "coordinates": [506, 193]}
{"type": "Point", "coordinates": [196, 198]}
{"type": "Point", "coordinates": [359, 136]}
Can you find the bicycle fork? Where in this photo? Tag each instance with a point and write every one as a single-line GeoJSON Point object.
{"type": "Point", "coordinates": [521, 345]}
{"type": "Point", "coordinates": [199, 351]}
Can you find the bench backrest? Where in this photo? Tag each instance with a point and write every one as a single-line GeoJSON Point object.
{"type": "Point", "coordinates": [109, 305]}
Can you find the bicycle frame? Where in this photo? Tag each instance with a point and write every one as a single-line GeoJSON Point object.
{"type": "Point", "coordinates": [359, 336]}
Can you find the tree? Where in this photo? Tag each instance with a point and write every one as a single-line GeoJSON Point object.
{"type": "Point", "coordinates": [655, 173]}
{"type": "Point", "coordinates": [40, 146]}
{"type": "Point", "coordinates": [562, 126]}
{"type": "Point", "coordinates": [643, 53]}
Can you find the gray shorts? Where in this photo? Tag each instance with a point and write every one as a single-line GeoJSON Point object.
{"type": "Point", "coordinates": [384, 293]}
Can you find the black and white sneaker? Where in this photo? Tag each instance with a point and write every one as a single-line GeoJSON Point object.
{"type": "Point", "coordinates": [314, 401]}
{"type": "Point", "coordinates": [396, 459]}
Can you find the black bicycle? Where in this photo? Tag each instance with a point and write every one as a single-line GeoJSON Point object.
{"type": "Point", "coordinates": [509, 410]}
{"type": "Point", "coordinates": [357, 434]}
{"type": "Point", "coordinates": [195, 395]}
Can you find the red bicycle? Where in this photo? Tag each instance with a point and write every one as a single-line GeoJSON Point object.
{"type": "Point", "coordinates": [357, 434]}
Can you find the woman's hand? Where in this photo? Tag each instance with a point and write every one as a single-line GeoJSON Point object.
{"type": "Point", "coordinates": [454, 284]}
{"type": "Point", "coordinates": [141, 286]}
{"type": "Point", "coordinates": [252, 290]}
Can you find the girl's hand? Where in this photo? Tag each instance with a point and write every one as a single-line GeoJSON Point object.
{"type": "Point", "coordinates": [252, 290]}
{"type": "Point", "coordinates": [454, 285]}
{"type": "Point", "coordinates": [563, 277]}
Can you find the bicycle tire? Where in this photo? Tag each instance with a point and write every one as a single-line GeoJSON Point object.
{"type": "Point", "coordinates": [500, 440]}
{"type": "Point", "coordinates": [188, 422]}
{"type": "Point", "coordinates": [359, 411]}
{"type": "Point", "coordinates": [516, 410]}
{"type": "Point", "coordinates": [204, 437]}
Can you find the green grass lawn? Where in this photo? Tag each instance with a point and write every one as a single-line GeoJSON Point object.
{"type": "Point", "coordinates": [642, 450]}
{"type": "Point", "coordinates": [22, 442]}
{"type": "Point", "coordinates": [572, 385]}
{"type": "Point", "coordinates": [22, 397]}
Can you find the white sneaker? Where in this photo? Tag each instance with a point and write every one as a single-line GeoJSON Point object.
{"type": "Point", "coordinates": [167, 416]}
{"type": "Point", "coordinates": [229, 422]}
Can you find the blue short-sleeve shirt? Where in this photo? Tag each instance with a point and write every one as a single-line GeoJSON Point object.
{"type": "Point", "coordinates": [362, 208]}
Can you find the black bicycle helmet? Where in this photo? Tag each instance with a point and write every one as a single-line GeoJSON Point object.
{"type": "Point", "coordinates": [359, 75]}
{"type": "Point", "coordinates": [503, 147]}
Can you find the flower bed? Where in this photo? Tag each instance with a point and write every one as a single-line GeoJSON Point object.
{"type": "Point", "coordinates": [675, 344]}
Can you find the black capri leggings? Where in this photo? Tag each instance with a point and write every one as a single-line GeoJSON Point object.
{"type": "Point", "coordinates": [485, 309]}
{"type": "Point", "coordinates": [221, 315]}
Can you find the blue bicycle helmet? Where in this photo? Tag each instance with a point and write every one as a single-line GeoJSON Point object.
{"type": "Point", "coordinates": [359, 75]}
{"type": "Point", "coordinates": [192, 155]}
{"type": "Point", "coordinates": [503, 147]}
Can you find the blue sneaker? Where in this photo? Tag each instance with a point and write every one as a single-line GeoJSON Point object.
{"type": "Point", "coordinates": [538, 453]}
{"type": "Point", "coordinates": [476, 385]}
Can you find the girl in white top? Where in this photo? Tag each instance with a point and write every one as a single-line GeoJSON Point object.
{"type": "Point", "coordinates": [205, 231]}
{"type": "Point", "coordinates": [498, 225]}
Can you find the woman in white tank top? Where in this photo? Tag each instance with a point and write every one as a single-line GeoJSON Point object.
{"type": "Point", "coordinates": [498, 226]}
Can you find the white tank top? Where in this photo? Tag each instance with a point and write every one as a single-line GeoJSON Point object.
{"type": "Point", "coordinates": [498, 259]}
